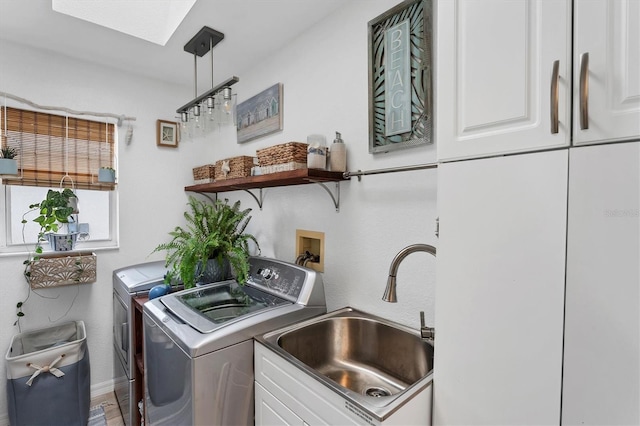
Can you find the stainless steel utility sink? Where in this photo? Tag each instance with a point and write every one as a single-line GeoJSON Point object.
{"type": "Point", "coordinates": [368, 359]}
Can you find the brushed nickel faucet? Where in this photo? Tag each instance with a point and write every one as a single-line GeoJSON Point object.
{"type": "Point", "coordinates": [427, 333]}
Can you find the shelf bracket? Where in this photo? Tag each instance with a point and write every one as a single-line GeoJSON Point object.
{"type": "Point", "coordinates": [336, 197]}
{"type": "Point", "coordinates": [259, 200]}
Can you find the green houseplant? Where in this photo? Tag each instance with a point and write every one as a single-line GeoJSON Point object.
{"type": "Point", "coordinates": [55, 210]}
{"type": "Point", "coordinates": [213, 233]}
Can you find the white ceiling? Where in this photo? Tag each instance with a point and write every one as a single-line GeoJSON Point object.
{"type": "Point", "coordinates": [253, 30]}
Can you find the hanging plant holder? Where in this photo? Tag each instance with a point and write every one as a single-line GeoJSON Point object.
{"type": "Point", "coordinates": [61, 269]}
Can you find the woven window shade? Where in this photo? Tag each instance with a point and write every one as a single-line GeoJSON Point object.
{"type": "Point", "coordinates": [51, 147]}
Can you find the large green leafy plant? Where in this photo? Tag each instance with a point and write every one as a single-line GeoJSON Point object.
{"type": "Point", "coordinates": [212, 231]}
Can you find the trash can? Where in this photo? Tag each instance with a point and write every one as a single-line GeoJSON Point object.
{"type": "Point", "coordinates": [48, 377]}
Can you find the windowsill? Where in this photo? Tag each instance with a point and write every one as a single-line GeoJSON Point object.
{"type": "Point", "coordinates": [78, 250]}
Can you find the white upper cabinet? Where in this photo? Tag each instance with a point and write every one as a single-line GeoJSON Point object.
{"type": "Point", "coordinates": [496, 89]}
{"type": "Point", "coordinates": [504, 81]}
{"type": "Point", "coordinates": [606, 64]}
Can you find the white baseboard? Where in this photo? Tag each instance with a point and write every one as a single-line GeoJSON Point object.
{"type": "Point", "coordinates": [99, 389]}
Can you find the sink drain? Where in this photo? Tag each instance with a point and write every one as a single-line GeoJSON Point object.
{"type": "Point", "coordinates": [376, 392]}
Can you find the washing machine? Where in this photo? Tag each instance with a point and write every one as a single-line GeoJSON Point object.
{"type": "Point", "coordinates": [198, 343]}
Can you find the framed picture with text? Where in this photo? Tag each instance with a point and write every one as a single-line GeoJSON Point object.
{"type": "Point", "coordinates": [400, 77]}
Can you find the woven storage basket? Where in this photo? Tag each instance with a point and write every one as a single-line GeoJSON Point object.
{"type": "Point", "coordinates": [239, 167]}
{"type": "Point", "coordinates": [285, 167]}
{"type": "Point", "coordinates": [204, 174]}
{"type": "Point", "coordinates": [290, 152]}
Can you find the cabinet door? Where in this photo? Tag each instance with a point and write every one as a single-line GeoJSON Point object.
{"type": "Point", "coordinates": [601, 382]}
{"type": "Point", "coordinates": [500, 290]}
{"type": "Point", "coordinates": [609, 32]}
{"type": "Point", "coordinates": [495, 92]}
{"type": "Point", "coordinates": [271, 412]}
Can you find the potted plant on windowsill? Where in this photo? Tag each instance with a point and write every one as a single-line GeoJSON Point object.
{"type": "Point", "coordinates": [106, 175]}
{"type": "Point", "coordinates": [56, 212]}
{"type": "Point", "coordinates": [8, 163]}
{"type": "Point", "coordinates": [214, 237]}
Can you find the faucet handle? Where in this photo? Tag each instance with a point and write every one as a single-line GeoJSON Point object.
{"type": "Point", "coordinates": [427, 333]}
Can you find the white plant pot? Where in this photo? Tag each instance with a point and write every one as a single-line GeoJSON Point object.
{"type": "Point", "coordinates": [62, 242]}
{"type": "Point", "coordinates": [8, 166]}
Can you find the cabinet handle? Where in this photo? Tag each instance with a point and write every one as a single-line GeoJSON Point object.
{"type": "Point", "coordinates": [554, 96]}
{"type": "Point", "coordinates": [584, 91]}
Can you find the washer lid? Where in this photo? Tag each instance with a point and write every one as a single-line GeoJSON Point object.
{"type": "Point", "coordinates": [140, 277]}
{"type": "Point", "coordinates": [210, 307]}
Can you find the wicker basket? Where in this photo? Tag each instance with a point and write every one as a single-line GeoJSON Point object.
{"type": "Point", "coordinates": [204, 174]}
{"type": "Point", "coordinates": [290, 152]}
{"type": "Point", "coordinates": [239, 167]}
{"type": "Point", "coordinates": [285, 167]}
{"type": "Point", "coordinates": [63, 269]}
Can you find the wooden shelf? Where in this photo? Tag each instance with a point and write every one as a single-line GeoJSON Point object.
{"type": "Point", "coordinates": [271, 180]}
{"type": "Point", "coordinates": [293, 177]}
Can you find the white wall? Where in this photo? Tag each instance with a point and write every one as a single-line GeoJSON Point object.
{"type": "Point", "coordinates": [150, 190]}
{"type": "Point", "coordinates": [324, 73]}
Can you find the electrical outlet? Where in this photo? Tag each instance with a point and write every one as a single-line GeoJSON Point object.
{"type": "Point", "coordinates": [310, 242]}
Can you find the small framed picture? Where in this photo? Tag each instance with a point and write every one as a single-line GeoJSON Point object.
{"type": "Point", "coordinates": [167, 134]}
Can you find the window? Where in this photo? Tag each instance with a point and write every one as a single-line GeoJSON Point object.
{"type": "Point", "coordinates": [57, 151]}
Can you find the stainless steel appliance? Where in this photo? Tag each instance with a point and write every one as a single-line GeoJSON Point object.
{"type": "Point", "coordinates": [129, 282]}
{"type": "Point", "coordinates": [198, 343]}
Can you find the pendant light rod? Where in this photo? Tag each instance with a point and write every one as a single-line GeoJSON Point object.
{"type": "Point", "coordinates": [195, 75]}
{"type": "Point", "coordinates": [211, 49]}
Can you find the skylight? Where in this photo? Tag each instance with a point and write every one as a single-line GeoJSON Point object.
{"type": "Point", "coordinates": [151, 20]}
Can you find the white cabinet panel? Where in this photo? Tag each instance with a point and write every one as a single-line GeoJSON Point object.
{"type": "Point", "coordinates": [494, 76]}
{"type": "Point", "coordinates": [271, 412]}
{"type": "Point", "coordinates": [609, 32]}
{"type": "Point", "coordinates": [500, 290]}
{"type": "Point", "coordinates": [601, 382]}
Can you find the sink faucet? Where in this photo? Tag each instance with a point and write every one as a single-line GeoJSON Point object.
{"type": "Point", "coordinates": [390, 291]}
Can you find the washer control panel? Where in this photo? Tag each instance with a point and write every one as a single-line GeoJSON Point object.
{"type": "Point", "coordinates": [286, 280]}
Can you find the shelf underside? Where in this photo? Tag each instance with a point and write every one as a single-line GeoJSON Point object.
{"type": "Point", "coordinates": [293, 177]}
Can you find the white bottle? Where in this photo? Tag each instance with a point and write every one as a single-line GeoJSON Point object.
{"type": "Point", "coordinates": [338, 155]}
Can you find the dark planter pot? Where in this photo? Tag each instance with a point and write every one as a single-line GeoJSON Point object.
{"type": "Point", "coordinates": [214, 272]}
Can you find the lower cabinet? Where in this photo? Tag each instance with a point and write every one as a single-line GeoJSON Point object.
{"type": "Point", "coordinates": [538, 291]}
{"type": "Point", "coordinates": [500, 290]}
{"type": "Point", "coordinates": [601, 383]}
{"type": "Point", "coordinates": [270, 411]}
{"type": "Point", "coordinates": [285, 395]}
